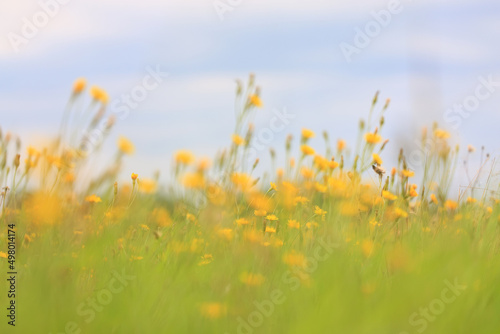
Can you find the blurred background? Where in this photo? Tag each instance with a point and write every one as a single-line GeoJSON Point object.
{"type": "Point", "coordinates": [320, 61]}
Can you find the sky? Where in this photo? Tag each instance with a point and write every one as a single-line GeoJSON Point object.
{"type": "Point", "coordinates": [317, 60]}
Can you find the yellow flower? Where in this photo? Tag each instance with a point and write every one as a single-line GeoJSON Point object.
{"type": "Point", "coordinates": [294, 259]}
{"type": "Point", "coordinates": [273, 186]}
{"type": "Point", "coordinates": [451, 205]}
{"type": "Point", "coordinates": [213, 310]}
{"type": "Point", "coordinates": [367, 247]}
{"type": "Point", "coordinates": [373, 138]}
{"type": "Point", "coordinates": [125, 145]}
{"type": "Point", "coordinates": [434, 199]}
{"type": "Point", "coordinates": [377, 159]}
{"type": "Point", "coordinates": [147, 186]}
{"type": "Point", "coordinates": [471, 200]}
{"type": "Point", "coordinates": [270, 229]}
{"type": "Point", "coordinates": [310, 225]}
{"type": "Point", "coordinates": [93, 199]}
{"type": "Point", "coordinates": [320, 187]}
{"type": "Point", "coordinates": [306, 134]}
{"type": "Point", "coordinates": [388, 195]}
{"type": "Point", "coordinates": [307, 172]}
{"type": "Point", "coordinates": [161, 217]}
{"type": "Point", "coordinates": [134, 176]}
{"type": "Point", "coordinates": [242, 180]}
{"type": "Point", "coordinates": [184, 157]}
{"type": "Point", "coordinates": [256, 101]}
{"type": "Point", "coordinates": [407, 173]}
{"type": "Point", "coordinates": [307, 150]}
{"type": "Point", "coordinates": [272, 218]}
{"type": "Point", "coordinates": [238, 140]}
{"type": "Point", "coordinates": [205, 259]}
{"type": "Point", "coordinates": [79, 85]}
{"type": "Point", "coordinates": [260, 213]}
{"type": "Point", "coordinates": [242, 221]}
{"type": "Point", "coordinates": [226, 233]}
{"type": "Point", "coordinates": [318, 211]}
{"type": "Point", "coordinates": [333, 164]}
{"type": "Point", "coordinates": [293, 224]}
{"type": "Point", "coordinates": [194, 180]}
{"type": "Point", "coordinates": [300, 199]}
{"type": "Point", "coordinates": [341, 145]}
{"type": "Point", "coordinates": [321, 162]}
{"type": "Point", "coordinates": [99, 94]}
{"type": "Point", "coordinates": [442, 134]}
{"type": "Point", "coordinates": [252, 279]}
{"type": "Point", "coordinates": [400, 213]}
{"type": "Point", "coordinates": [3, 254]}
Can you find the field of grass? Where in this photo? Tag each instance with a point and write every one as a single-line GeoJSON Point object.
{"type": "Point", "coordinates": [325, 242]}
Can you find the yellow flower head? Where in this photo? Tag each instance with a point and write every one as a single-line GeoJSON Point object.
{"type": "Point", "coordinates": [373, 138]}
{"type": "Point", "coordinates": [242, 221]}
{"type": "Point", "coordinates": [213, 310]}
{"type": "Point", "coordinates": [252, 279]}
{"type": "Point", "coordinates": [407, 173]}
{"type": "Point", "coordinates": [260, 213]}
{"type": "Point", "coordinates": [377, 159]}
{"type": "Point", "coordinates": [434, 199]}
{"type": "Point", "coordinates": [294, 259]}
{"type": "Point", "coordinates": [256, 101]}
{"type": "Point", "coordinates": [388, 195]}
{"type": "Point", "coordinates": [134, 176]}
{"type": "Point", "coordinates": [270, 229]}
{"type": "Point", "coordinates": [238, 140]}
{"type": "Point", "coordinates": [99, 94]}
{"type": "Point", "coordinates": [147, 186]}
{"type": "Point", "coordinates": [442, 134]}
{"type": "Point", "coordinates": [93, 199]}
{"type": "Point", "coordinates": [307, 134]}
{"type": "Point", "coordinates": [307, 150]}
{"type": "Point", "coordinates": [293, 224]}
{"type": "Point", "coordinates": [79, 85]}
{"type": "Point", "coordinates": [184, 157]}
{"type": "Point", "coordinates": [341, 145]}
{"type": "Point", "coordinates": [272, 218]}
{"type": "Point", "coordinates": [451, 205]}
{"type": "Point", "coordinates": [125, 145]}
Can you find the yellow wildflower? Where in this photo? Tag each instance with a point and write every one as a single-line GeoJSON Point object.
{"type": "Point", "coordinates": [184, 157]}
{"type": "Point", "coordinates": [306, 133]}
{"type": "Point", "coordinates": [125, 145]}
{"type": "Point", "coordinates": [307, 150]}
{"type": "Point", "coordinates": [373, 138]}
{"type": "Point", "coordinates": [93, 199]}
{"type": "Point", "coordinates": [252, 279]}
{"type": "Point", "coordinates": [256, 101]}
{"type": "Point", "coordinates": [377, 159]}
{"type": "Point", "coordinates": [238, 140]}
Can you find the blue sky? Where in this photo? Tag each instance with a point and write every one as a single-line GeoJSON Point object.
{"type": "Point", "coordinates": [426, 59]}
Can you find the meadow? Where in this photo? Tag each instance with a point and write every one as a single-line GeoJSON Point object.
{"type": "Point", "coordinates": [322, 242]}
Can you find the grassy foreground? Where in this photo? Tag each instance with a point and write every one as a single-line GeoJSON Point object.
{"type": "Point", "coordinates": [329, 243]}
